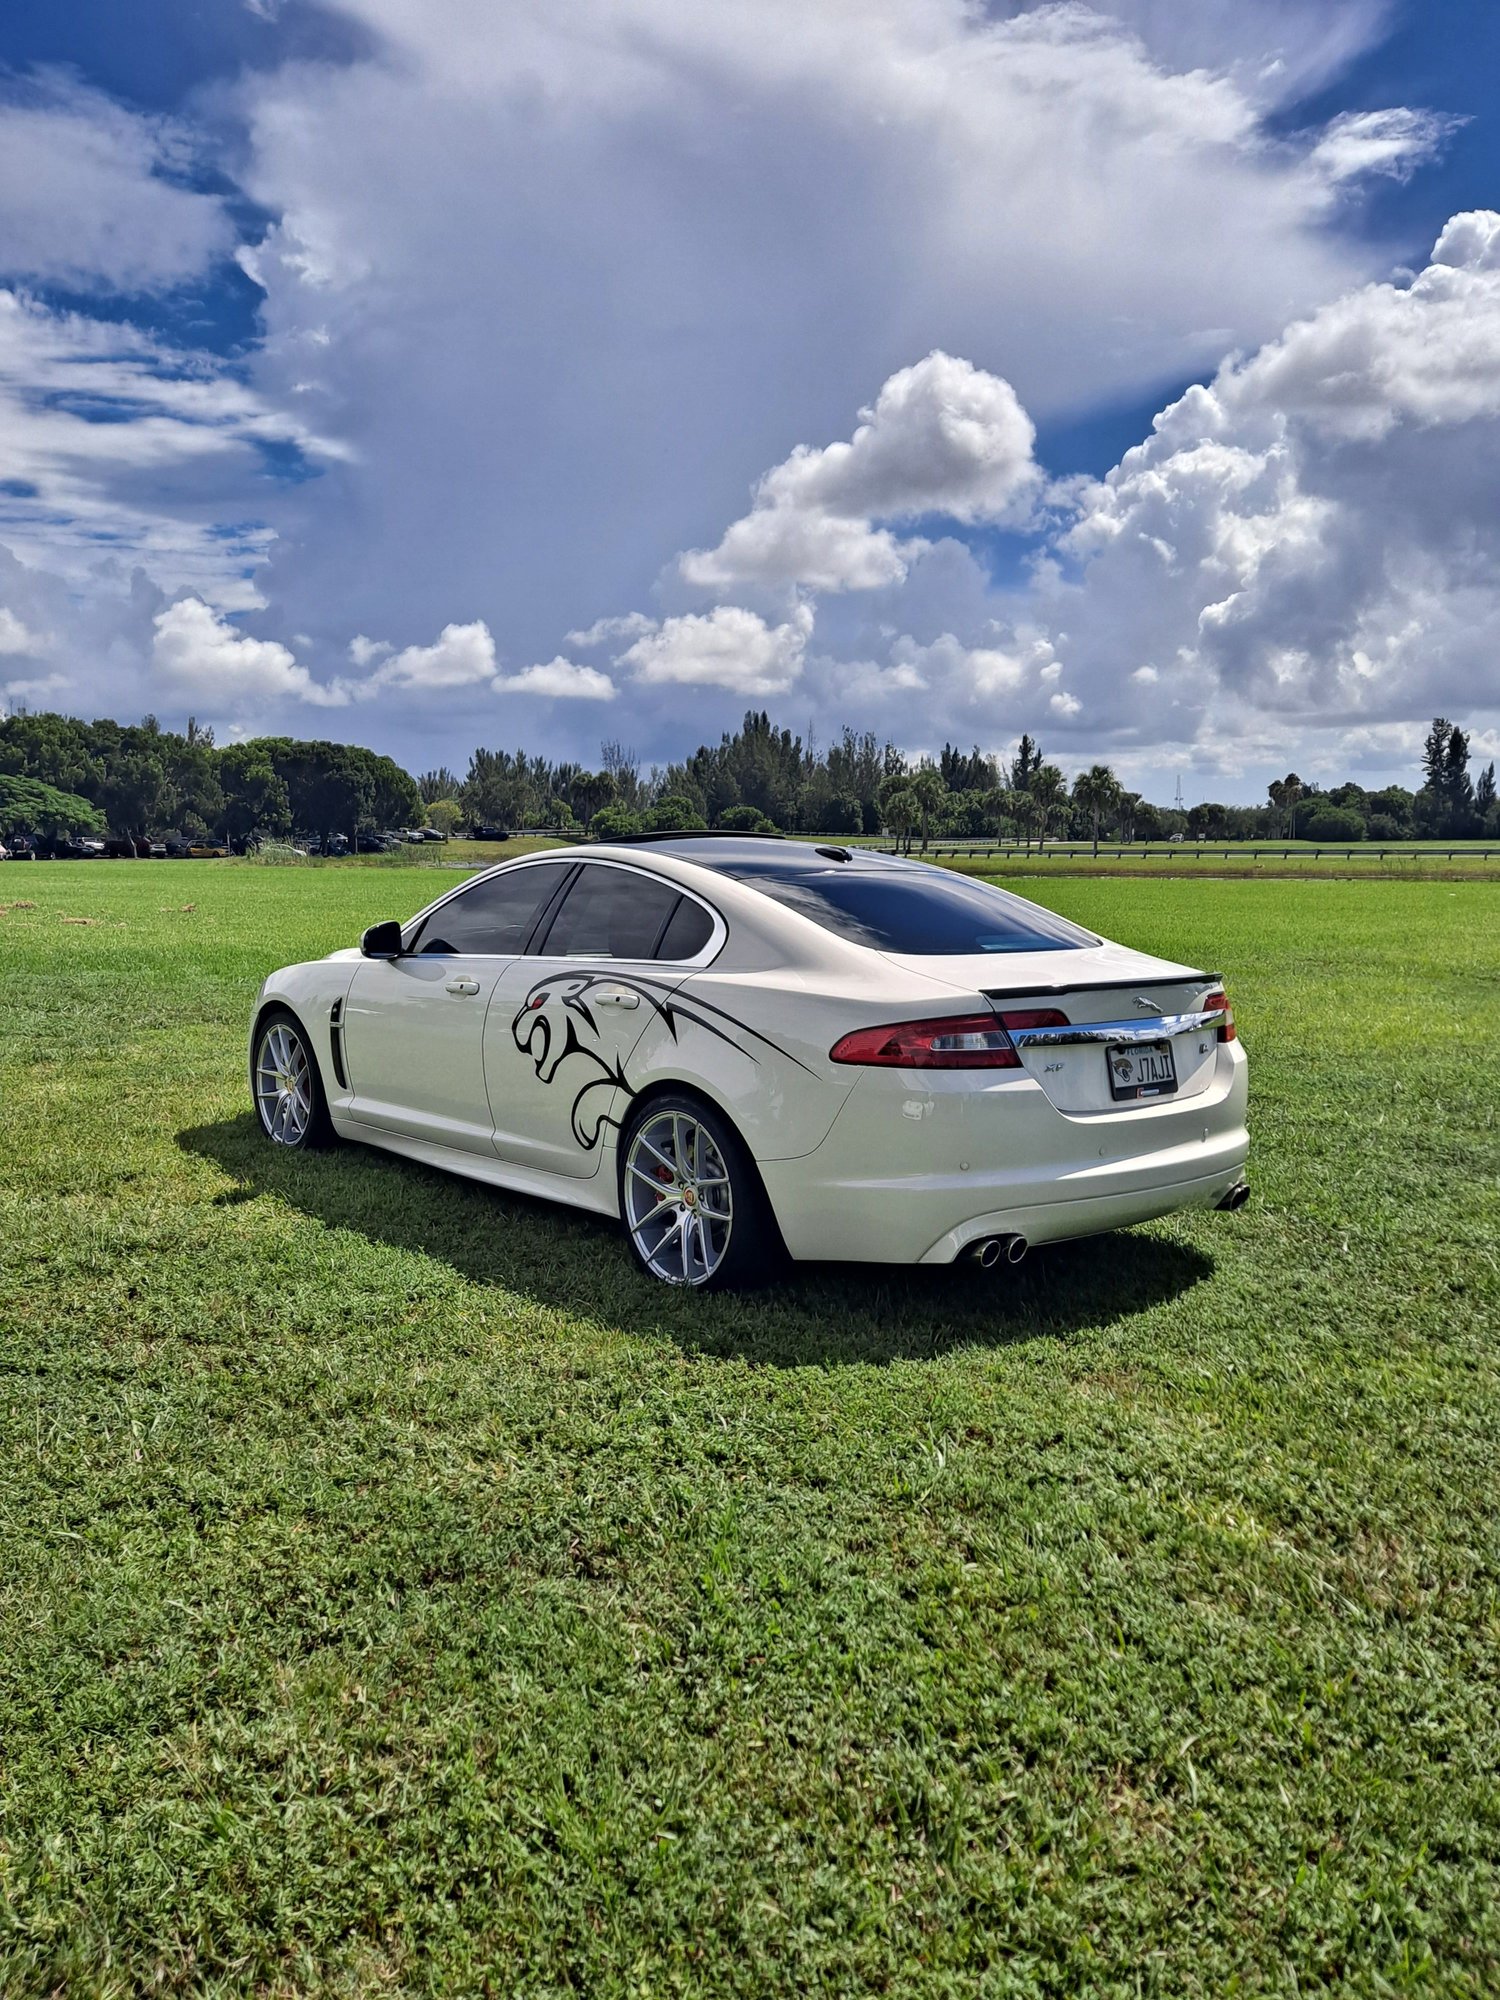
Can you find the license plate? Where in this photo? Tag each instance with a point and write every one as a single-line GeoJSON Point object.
{"type": "Point", "coordinates": [1141, 1069]}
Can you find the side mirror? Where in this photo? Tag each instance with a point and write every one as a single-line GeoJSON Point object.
{"type": "Point", "coordinates": [382, 940]}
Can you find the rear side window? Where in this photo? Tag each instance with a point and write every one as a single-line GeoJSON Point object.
{"type": "Point", "coordinates": [922, 913]}
{"type": "Point", "coordinates": [688, 931]}
{"type": "Point", "coordinates": [611, 913]}
{"type": "Point", "coordinates": [494, 917]}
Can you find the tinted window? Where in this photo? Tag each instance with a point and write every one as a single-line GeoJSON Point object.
{"type": "Point", "coordinates": [495, 916]}
{"type": "Point", "coordinates": [610, 913]}
{"type": "Point", "coordinates": [688, 931]}
{"type": "Point", "coordinates": [923, 912]}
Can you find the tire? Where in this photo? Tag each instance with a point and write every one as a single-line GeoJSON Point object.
{"type": "Point", "coordinates": [723, 1236]}
{"type": "Point", "coordinates": [285, 1084]}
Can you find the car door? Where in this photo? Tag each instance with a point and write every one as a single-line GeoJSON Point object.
{"type": "Point", "coordinates": [565, 1019]}
{"type": "Point", "coordinates": [414, 1025]}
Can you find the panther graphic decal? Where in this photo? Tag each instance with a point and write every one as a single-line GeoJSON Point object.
{"type": "Point", "coordinates": [556, 1022]}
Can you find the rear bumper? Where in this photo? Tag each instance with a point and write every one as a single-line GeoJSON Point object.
{"type": "Point", "coordinates": [961, 1164]}
{"type": "Point", "coordinates": [1087, 1215]}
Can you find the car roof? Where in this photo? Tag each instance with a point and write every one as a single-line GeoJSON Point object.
{"type": "Point", "coordinates": [749, 854]}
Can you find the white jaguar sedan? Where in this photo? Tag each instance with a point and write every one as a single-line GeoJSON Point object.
{"type": "Point", "coordinates": [746, 1046]}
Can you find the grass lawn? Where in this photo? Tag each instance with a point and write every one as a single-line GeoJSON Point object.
{"type": "Point", "coordinates": [399, 1594]}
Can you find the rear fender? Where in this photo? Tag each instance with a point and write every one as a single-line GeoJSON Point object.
{"type": "Point", "coordinates": [779, 1091]}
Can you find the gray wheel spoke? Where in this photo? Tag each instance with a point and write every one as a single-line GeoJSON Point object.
{"type": "Point", "coordinates": [646, 1146]}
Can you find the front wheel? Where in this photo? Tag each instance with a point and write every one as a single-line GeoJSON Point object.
{"type": "Point", "coordinates": [694, 1208]}
{"type": "Point", "coordinates": [289, 1096]}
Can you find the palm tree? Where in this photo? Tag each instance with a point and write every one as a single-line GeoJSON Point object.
{"type": "Point", "coordinates": [929, 791]}
{"type": "Point", "coordinates": [1026, 812]}
{"type": "Point", "coordinates": [1096, 790]}
{"type": "Point", "coordinates": [1284, 794]}
{"type": "Point", "coordinates": [1048, 788]}
{"type": "Point", "coordinates": [901, 812]}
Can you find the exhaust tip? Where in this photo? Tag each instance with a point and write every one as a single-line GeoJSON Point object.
{"type": "Point", "coordinates": [992, 1250]}
{"type": "Point", "coordinates": [1235, 1197]}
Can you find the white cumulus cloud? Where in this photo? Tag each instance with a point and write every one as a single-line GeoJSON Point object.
{"type": "Point", "coordinates": [461, 656]}
{"type": "Point", "coordinates": [943, 437]}
{"type": "Point", "coordinates": [1313, 535]}
{"type": "Point", "coordinates": [727, 647]}
{"type": "Point", "coordinates": [198, 656]}
{"type": "Point", "coordinates": [15, 637]}
{"type": "Point", "coordinates": [560, 680]}
{"type": "Point", "coordinates": [610, 631]}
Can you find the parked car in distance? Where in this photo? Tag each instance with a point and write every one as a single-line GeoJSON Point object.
{"type": "Point", "coordinates": [740, 1046]}
{"type": "Point", "coordinates": [431, 833]}
{"type": "Point", "coordinates": [22, 847]}
{"type": "Point", "coordinates": [207, 850]}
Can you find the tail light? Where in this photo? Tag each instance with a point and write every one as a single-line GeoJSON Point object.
{"type": "Point", "coordinates": [1218, 1001]}
{"type": "Point", "coordinates": [956, 1041]}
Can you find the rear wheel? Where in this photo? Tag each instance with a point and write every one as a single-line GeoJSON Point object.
{"type": "Point", "coordinates": [694, 1208]}
{"type": "Point", "coordinates": [289, 1098]}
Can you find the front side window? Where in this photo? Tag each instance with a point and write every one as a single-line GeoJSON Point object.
{"type": "Point", "coordinates": [924, 913]}
{"type": "Point", "coordinates": [493, 918]}
{"type": "Point", "coordinates": [612, 913]}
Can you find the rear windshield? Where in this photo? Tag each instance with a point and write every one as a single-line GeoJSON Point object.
{"type": "Point", "coordinates": [921, 912]}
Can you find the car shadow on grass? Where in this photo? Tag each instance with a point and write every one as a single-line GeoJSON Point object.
{"type": "Point", "coordinates": [579, 1263]}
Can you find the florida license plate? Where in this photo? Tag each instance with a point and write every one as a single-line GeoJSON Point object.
{"type": "Point", "coordinates": [1141, 1069]}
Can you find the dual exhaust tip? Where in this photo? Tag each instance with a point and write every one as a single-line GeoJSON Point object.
{"type": "Point", "coordinates": [992, 1250]}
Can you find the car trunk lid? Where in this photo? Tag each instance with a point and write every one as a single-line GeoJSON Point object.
{"type": "Point", "coordinates": [1102, 1029]}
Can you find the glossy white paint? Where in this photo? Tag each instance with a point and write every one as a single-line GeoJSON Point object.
{"type": "Point", "coordinates": [524, 1076]}
{"type": "Point", "coordinates": [414, 1048]}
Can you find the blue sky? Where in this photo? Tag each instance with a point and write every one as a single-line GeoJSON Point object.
{"type": "Point", "coordinates": [436, 375]}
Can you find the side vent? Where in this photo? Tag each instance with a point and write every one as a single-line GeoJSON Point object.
{"type": "Point", "coordinates": [336, 1041]}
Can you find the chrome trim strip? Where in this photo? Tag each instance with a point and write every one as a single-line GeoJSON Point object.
{"type": "Point", "coordinates": [1158, 1030]}
{"type": "Point", "coordinates": [1207, 980]}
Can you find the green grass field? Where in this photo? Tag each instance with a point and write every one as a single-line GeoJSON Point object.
{"type": "Point", "coordinates": [400, 1595]}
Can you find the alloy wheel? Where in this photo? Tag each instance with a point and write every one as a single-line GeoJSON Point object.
{"type": "Point", "coordinates": [284, 1085]}
{"type": "Point", "coordinates": [679, 1205]}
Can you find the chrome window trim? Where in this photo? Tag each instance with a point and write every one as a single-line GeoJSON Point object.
{"type": "Point", "coordinates": [414, 925]}
{"type": "Point", "coordinates": [701, 959]}
{"type": "Point", "coordinates": [1158, 1029]}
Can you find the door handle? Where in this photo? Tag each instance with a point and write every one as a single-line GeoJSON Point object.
{"type": "Point", "coordinates": [463, 985]}
{"type": "Point", "coordinates": [617, 996]}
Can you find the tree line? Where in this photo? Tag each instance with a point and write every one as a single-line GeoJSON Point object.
{"type": "Point", "coordinates": [759, 777]}
{"type": "Point", "coordinates": [60, 775]}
